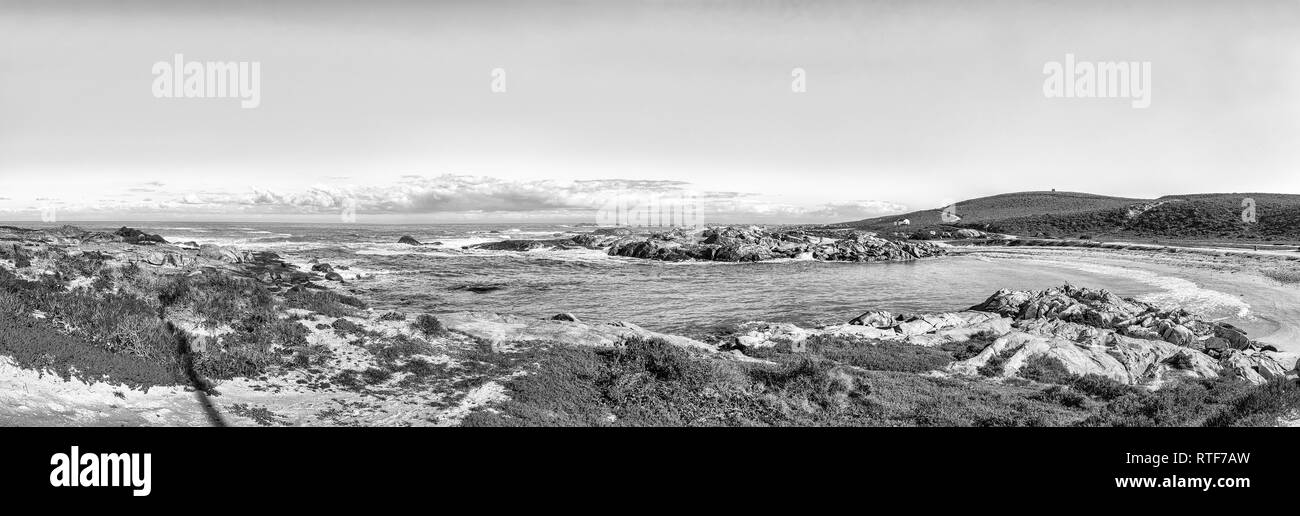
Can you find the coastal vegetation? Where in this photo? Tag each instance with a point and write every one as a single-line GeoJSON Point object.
{"type": "Point", "coordinates": [150, 315]}
{"type": "Point", "coordinates": [652, 383]}
{"type": "Point", "coordinates": [1070, 215]}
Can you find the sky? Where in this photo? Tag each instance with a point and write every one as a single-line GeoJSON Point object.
{"type": "Point", "coordinates": [388, 107]}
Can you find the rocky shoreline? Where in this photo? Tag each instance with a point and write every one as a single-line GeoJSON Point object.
{"type": "Point", "coordinates": [736, 244]}
{"type": "Point", "coordinates": [284, 346]}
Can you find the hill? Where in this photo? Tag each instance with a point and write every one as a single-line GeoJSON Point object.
{"type": "Point", "coordinates": [1075, 215]}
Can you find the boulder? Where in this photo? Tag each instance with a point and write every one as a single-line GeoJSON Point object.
{"type": "Point", "coordinates": [1236, 338]}
{"type": "Point", "coordinates": [334, 276]}
{"type": "Point", "coordinates": [565, 317]}
{"type": "Point", "coordinates": [875, 318]}
{"type": "Point", "coordinates": [764, 335]}
{"type": "Point", "coordinates": [408, 241]}
{"type": "Point", "coordinates": [135, 236]}
{"type": "Point", "coordinates": [1102, 309]}
{"type": "Point", "coordinates": [324, 268]}
{"type": "Point", "coordinates": [220, 253]}
{"type": "Point", "coordinates": [1123, 359]}
{"type": "Point", "coordinates": [514, 245]}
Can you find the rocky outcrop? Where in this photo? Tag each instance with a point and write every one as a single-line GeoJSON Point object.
{"type": "Point", "coordinates": [137, 237]}
{"type": "Point", "coordinates": [915, 329]}
{"type": "Point", "coordinates": [1095, 331]}
{"type": "Point", "coordinates": [1085, 331]}
{"type": "Point", "coordinates": [1102, 309]}
{"type": "Point", "coordinates": [752, 244]}
{"type": "Point", "coordinates": [221, 253]}
{"type": "Point", "coordinates": [408, 240]}
{"type": "Point", "coordinates": [584, 241]}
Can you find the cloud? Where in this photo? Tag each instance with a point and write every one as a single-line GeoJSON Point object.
{"type": "Point", "coordinates": [467, 197]}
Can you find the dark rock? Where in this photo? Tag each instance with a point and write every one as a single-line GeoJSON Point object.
{"type": "Point", "coordinates": [514, 245]}
{"type": "Point", "coordinates": [565, 317]}
{"type": "Point", "coordinates": [479, 288]}
{"type": "Point", "coordinates": [135, 236]}
{"type": "Point", "coordinates": [322, 268]}
{"type": "Point", "coordinates": [408, 241]}
{"type": "Point", "coordinates": [1236, 338]}
{"type": "Point", "coordinates": [334, 276]}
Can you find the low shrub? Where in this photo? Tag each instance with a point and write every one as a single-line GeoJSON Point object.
{"type": "Point", "coordinates": [428, 326]}
{"type": "Point", "coordinates": [398, 347]}
{"type": "Point", "coordinates": [994, 366]}
{"type": "Point", "coordinates": [323, 302]}
{"type": "Point", "coordinates": [1062, 396]}
{"type": "Point", "coordinates": [1261, 405]}
{"type": "Point", "coordinates": [882, 356]}
{"type": "Point", "coordinates": [35, 345]}
{"type": "Point", "coordinates": [344, 327]}
{"type": "Point", "coordinates": [1102, 387]}
{"type": "Point", "coordinates": [1045, 369]}
{"type": "Point", "coordinates": [969, 348]}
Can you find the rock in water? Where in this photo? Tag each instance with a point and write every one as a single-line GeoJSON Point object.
{"type": "Point", "coordinates": [334, 276]}
{"type": "Point", "coordinates": [752, 244]}
{"type": "Point", "coordinates": [408, 241]}
{"type": "Point", "coordinates": [565, 317]}
{"type": "Point", "coordinates": [135, 236]}
{"type": "Point", "coordinates": [324, 268]}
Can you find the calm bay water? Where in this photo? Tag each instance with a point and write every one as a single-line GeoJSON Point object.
{"type": "Point", "coordinates": [687, 298]}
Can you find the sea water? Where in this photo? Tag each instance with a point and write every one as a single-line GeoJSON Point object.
{"type": "Point", "coordinates": [683, 297]}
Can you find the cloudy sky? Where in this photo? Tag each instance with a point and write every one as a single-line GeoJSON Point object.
{"type": "Point", "coordinates": [909, 105]}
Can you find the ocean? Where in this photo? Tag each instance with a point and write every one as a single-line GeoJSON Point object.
{"type": "Point", "coordinates": [693, 298]}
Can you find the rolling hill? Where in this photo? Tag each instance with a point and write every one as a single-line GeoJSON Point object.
{"type": "Point", "coordinates": [1074, 215]}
